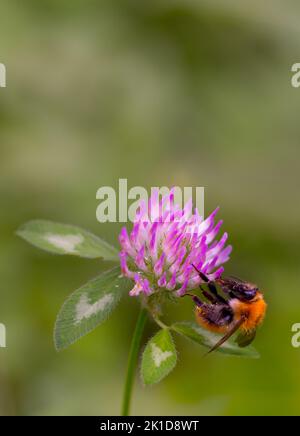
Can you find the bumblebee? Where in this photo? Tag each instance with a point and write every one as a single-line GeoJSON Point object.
{"type": "Point", "coordinates": [243, 309]}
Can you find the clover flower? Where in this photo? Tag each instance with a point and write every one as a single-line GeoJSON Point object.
{"type": "Point", "coordinates": [161, 255]}
{"type": "Point", "coordinates": [165, 244]}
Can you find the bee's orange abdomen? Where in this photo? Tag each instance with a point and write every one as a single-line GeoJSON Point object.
{"type": "Point", "coordinates": [203, 322]}
{"type": "Point", "coordinates": [254, 311]}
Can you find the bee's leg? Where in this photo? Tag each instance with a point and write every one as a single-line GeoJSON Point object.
{"type": "Point", "coordinates": [214, 291]}
{"type": "Point", "coordinates": [196, 299]}
{"type": "Point", "coordinates": [209, 297]}
{"type": "Point", "coordinates": [228, 292]}
{"type": "Point", "coordinates": [211, 286]}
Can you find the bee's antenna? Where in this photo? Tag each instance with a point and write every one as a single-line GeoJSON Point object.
{"type": "Point", "coordinates": [198, 271]}
{"type": "Point", "coordinates": [201, 274]}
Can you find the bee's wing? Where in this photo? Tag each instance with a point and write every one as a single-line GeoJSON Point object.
{"type": "Point", "coordinates": [245, 339]}
{"type": "Point", "coordinates": [225, 338]}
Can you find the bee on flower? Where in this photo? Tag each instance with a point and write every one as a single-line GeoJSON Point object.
{"type": "Point", "coordinates": [175, 250]}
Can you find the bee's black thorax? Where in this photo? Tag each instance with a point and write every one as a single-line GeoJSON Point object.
{"type": "Point", "coordinates": [244, 291]}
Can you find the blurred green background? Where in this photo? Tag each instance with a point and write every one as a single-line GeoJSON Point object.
{"type": "Point", "coordinates": [168, 92]}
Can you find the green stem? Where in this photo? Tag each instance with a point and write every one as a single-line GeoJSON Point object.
{"type": "Point", "coordinates": [160, 323]}
{"type": "Point", "coordinates": [132, 361]}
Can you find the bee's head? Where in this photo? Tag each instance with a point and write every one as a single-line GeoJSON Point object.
{"type": "Point", "coordinates": [237, 288]}
{"type": "Point", "coordinates": [246, 291]}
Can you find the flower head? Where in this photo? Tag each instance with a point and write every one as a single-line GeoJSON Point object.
{"type": "Point", "coordinates": [165, 245]}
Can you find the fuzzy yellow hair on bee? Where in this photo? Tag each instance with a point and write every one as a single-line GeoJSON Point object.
{"type": "Point", "coordinates": [243, 310]}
